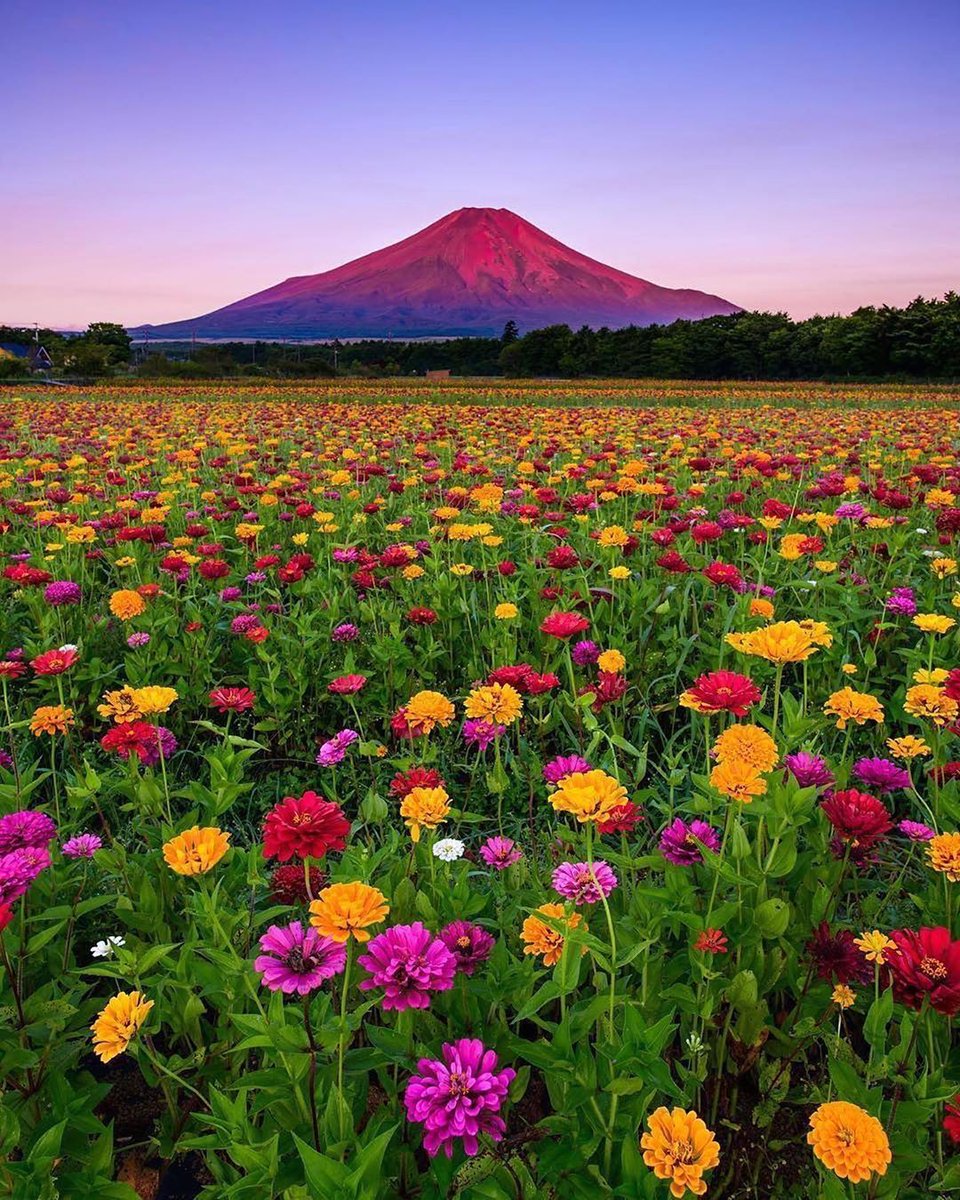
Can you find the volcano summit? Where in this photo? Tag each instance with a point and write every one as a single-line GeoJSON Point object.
{"type": "Point", "coordinates": [466, 274]}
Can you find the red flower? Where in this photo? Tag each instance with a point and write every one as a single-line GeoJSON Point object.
{"type": "Point", "coordinates": [259, 633]}
{"type": "Point", "coordinates": [711, 941]}
{"type": "Point", "coordinates": [306, 827]}
{"type": "Point", "coordinates": [193, 627]}
{"type": "Point", "coordinates": [54, 662]}
{"type": "Point", "coordinates": [6, 916]}
{"type": "Point", "coordinates": [951, 1118]}
{"type": "Point", "coordinates": [403, 783]}
{"type": "Point", "coordinates": [421, 616]}
{"type": "Point", "coordinates": [723, 691]}
{"type": "Point", "coordinates": [857, 817]}
{"type": "Point", "coordinates": [232, 699]}
{"type": "Point", "coordinates": [622, 819]}
{"type": "Point", "coordinates": [564, 624]}
{"type": "Point", "coordinates": [926, 964]}
{"type": "Point", "coordinates": [951, 685]}
{"type": "Point", "coordinates": [214, 568]}
{"type": "Point", "coordinates": [9, 669]}
{"type": "Point", "coordinates": [723, 575]}
{"type": "Point", "coordinates": [537, 685]}
{"type": "Point", "coordinates": [134, 737]}
{"type": "Point", "coordinates": [609, 688]}
{"type": "Point", "coordinates": [836, 956]}
{"type": "Point", "coordinates": [288, 886]}
{"type": "Point", "coordinates": [673, 562]}
{"type": "Point", "coordinates": [706, 531]}
{"type": "Point", "coordinates": [347, 685]}
{"type": "Point", "coordinates": [517, 676]}
{"type": "Point", "coordinates": [561, 557]}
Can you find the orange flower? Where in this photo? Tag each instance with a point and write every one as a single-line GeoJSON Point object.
{"type": "Point", "coordinates": [849, 1141]}
{"type": "Point", "coordinates": [539, 938]}
{"type": "Point", "coordinates": [345, 910]}
{"type": "Point", "coordinates": [126, 604]}
{"type": "Point", "coordinates": [737, 781]}
{"type": "Point", "coordinates": [51, 719]}
{"type": "Point", "coordinates": [426, 710]}
{"type": "Point", "coordinates": [496, 704]}
{"type": "Point", "coordinates": [747, 744]}
{"type": "Point", "coordinates": [930, 703]}
{"type": "Point", "coordinates": [850, 705]}
{"type": "Point", "coordinates": [943, 852]}
{"type": "Point", "coordinates": [117, 1024]}
{"type": "Point", "coordinates": [424, 806]}
{"type": "Point", "coordinates": [196, 850]}
{"type": "Point", "coordinates": [680, 1147]}
{"type": "Point", "coordinates": [589, 795]}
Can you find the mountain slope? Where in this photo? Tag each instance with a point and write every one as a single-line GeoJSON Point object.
{"type": "Point", "coordinates": [467, 273]}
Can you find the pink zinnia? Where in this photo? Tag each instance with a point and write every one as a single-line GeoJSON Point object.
{"type": "Point", "coordinates": [559, 768]}
{"type": "Point", "coordinates": [582, 884]}
{"type": "Point", "coordinates": [500, 853]}
{"type": "Point", "coordinates": [19, 869]}
{"type": "Point", "coordinates": [295, 959]}
{"type": "Point", "coordinates": [470, 944]}
{"type": "Point", "coordinates": [335, 750]}
{"type": "Point", "coordinates": [346, 685]}
{"type": "Point", "coordinates": [409, 963]}
{"type": "Point", "coordinates": [84, 845]}
{"type": "Point", "coordinates": [682, 844]}
{"type": "Point", "coordinates": [25, 828]}
{"type": "Point", "coordinates": [232, 699]}
{"type": "Point", "coordinates": [458, 1096]}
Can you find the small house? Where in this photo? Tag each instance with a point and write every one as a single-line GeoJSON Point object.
{"type": "Point", "coordinates": [438, 376]}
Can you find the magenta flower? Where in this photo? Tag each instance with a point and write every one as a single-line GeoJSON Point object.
{"type": "Point", "coordinates": [559, 768]}
{"type": "Point", "coordinates": [19, 830]}
{"type": "Point", "coordinates": [345, 633]}
{"type": "Point", "coordinates": [469, 944]}
{"type": "Point", "coordinates": [295, 959]}
{"type": "Point", "coordinates": [585, 654]}
{"type": "Point", "coordinates": [500, 853]}
{"type": "Point", "coordinates": [335, 750]}
{"type": "Point", "coordinates": [902, 602]}
{"type": "Point", "coordinates": [576, 882]}
{"type": "Point", "coordinates": [150, 749]}
{"type": "Point", "coordinates": [458, 1097]}
{"type": "Point", "coordinates": [409, 963]}
{"type": "Point", "coordinates": [19, 869]}
{"type": "Point", "coordinates": [62, 591]}
{"type": "Point", "coordinates": [916, 831]}
{"type": "Point", "coordinates": [809, 770]}
{"type": "Point", "coordinates": [84, 845]}
{"type": "Point", "coordinates": [682, 844]}
{"type": "Point", "coordinates": [137, 641]}
{"type": "Point", "coordinates": [880, 774]}
{"type": "Point", "coordinates": [481, 733]}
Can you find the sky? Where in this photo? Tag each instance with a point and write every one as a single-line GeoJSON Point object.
{"type": "Point", "coordinates": [159, 161]}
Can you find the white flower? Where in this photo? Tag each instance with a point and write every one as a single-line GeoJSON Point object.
{"type": "Point", "coordinates": [104, 949]}
{"type": "Point", "coordinates": [448, 849]}
{"type": "Point", "coordinates": [921, 532]}
{"type": "Point", "coordinates": [68, 646]}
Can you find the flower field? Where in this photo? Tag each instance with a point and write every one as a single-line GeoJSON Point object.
{"type": "Point", "coordinates": [479, 794]}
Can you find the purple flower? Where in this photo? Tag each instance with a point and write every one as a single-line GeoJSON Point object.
{"type": "Point", "coordinates": [481, 733]}
{"type": "Point", "coordinates": [244, 623]}
{"type": "Point", "coordinates": [809, 770]}
{"type": "Point", "coordinates": [500, 853]}
{"type": "Point", "coordinates": [150, 753]}
{"type": "Point", "coordinates": [880, 774]}
{"type": "Point", "coordinates": [916, 831]}
{"type": "Point", "coordinates": [335, 750]}
{"type": "Point", "coordinates": [62, 591]}
{"type": "Point", "coordinates": [345, 633]}
{"type": "Point", "coordinates": [559, 768]}
{"type": "Point", "coordinates": [19, 869]}
{"type": "Point", "coordinates": [681, 843]}
{"type": "Point", "coordinates": [902, 602]}
{"type": "Point", "coordinates": [136, 640]}
{"type": "Point", "coordinates": [851, 510]}
{"type": "Point", "coordinates": [577, 882]}
{"type": "Point", "coordinates": [585, 654]}
{"type": "Point", "coordinates": [84, 845]}
{"type": "Point", "coordinates": [295, 959]}
{"type": "Point", "coordinates": [228, 594]}
{"type": "Point", "coordinates": [348, 554]}
{"type": "Point", "coordinates": [468, 943]}
{"type": "Point", "coordinates": [255, 577]}
{"type": "Point", "coordinates": [409, 963]}
{"type": "Point", "coordinates": [19, 830]}
{"type": "Point", "coordinates": [6, 760]}
{"type": "Point", "coordinates": [458, 1097]}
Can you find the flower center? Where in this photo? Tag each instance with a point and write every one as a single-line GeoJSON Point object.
{"type": "Point", "coordinates": [301, 818]}
{"type": "Point", "coordinates": [463, 943]}
{"type": "Point", "coordinates": [459, 1084]}
{"type": "Point", "coordinates": [933, 968]}
{"type": "Point", "coordinates": [845, 1137]}
{"type": "Point", "coordinates": [297, 961]}
{"type": "Point", "coordinates": [684, 1153]}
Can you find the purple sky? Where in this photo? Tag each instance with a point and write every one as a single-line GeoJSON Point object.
{"type": "Point", "coordinates": [159, 161]}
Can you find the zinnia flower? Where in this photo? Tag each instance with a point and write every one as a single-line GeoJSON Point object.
{"type": "Point", "coordinates": [196, 850]}
{"type": "Point", "coordinates": [916, 831]}
{"type": "Point", "coordinates": [448, 849]}
{"type": "Point", "coordinates": [540, 938]}
{"type": "Point", "coordinates": [121, 706]}
{"type": "Point", "coordinates": [857, 817]}
{"type": "Point", "coordinates": [84, 845]}
{"type": "Point", "coordinates": [679, 1147]}
{"type": "Point", "coordinates": [943, 853]}
{"type": "Point", "coordinates": [780, 643]}
{"type": "Point", "coordinates": [458, 1097]}
{"type": "Point", "coordinates": [500, 853]}
{"type": "Point", "coordinates": [874, 946]}
{"type": "Point", "coordinates": [681, 843]}
{"type": "Point", "coordinates": [347, 685]}
{"type": "Point", "coordinates": [809, 770]}
{"type": "Point", "coordinates": [155, 700]}
{"type": "Point", "coordinates": [426, 710]}
{"type": "Point", "coordinates": [469, 944]}
{"type": "Point", "coordinates": [588, 795]}
{"type": "Point", "coordinates": [19, 869]}
{"type": "Point", "coordinates": [738, 781]}
{"type": "Point", "coordinates": [880, 774]}
{"type": "Point", "coordinates": [836, 956]}
{"type": "Point", "coordinates": [126, 604]}
{"type": "Point", "coordinates": [19, 830]}
{"type": "Point", "coordinates": [748, 744]}
{"type": "Point", "coordinates": [711, 941]}
{"type": "Point", "coordinates": [51, 719]}
{"type": "Point", "coordinates": [559, 768]}
{"type": "Point", "coordinates": [232, 699]}
{"type": "Point", "coordinates": [409, 963]}
{"type": "Point", "coordinates": [849, 1141]}
{"type": "Point", "coordinates": [424, 808]}
{"type": "Point", "coordinates": [622, 819]}
{"type": "Point", "coordinates": [345, 910]}
{"type": "Point", "coordinates": [118, 1022]}
{"type": "Point", "coordinates": [304, 826]}
{"type": "Point", "coordinates": [584, 883]}
{"type": "Point", "coordinates": [334, 751]}
{"type": "Point", "coordinates": [926, 963]}
{"type": "Point", "coordinates": [288, 884]}
{"type": "Point", "coordinates": [930, 703]}
{"type": "Point", "coordinates": [496, 704]}
{"type": "Point", "coordinates": [850, 705]}
{"type": "Point", "coordinates": [295, 959]}
{"type": "Point", "coordinates": [55, 662]}
{"type": "Point", "coordinates": [563, 625]}
{"type": "Point", "coordinates": [721, 691]}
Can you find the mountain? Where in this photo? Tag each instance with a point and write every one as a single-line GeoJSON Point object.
{"type": "Point", "coordinates": [466, 274]}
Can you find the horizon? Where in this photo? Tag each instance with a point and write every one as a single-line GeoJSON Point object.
{"type": "Point", "coordinates": [171, 163]}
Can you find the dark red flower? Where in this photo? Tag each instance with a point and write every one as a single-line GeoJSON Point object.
{"type": "Point", "coordinates": [232, 699]}
{"type": "Point", "coordinates": [926, 964]}
{"type": "Point", "coordinates": [723, 691]}
{"type": "Point", "coordinates": [673, 562]}
{"type": "Point", "coordinates": [304, 826]}
{"type": "Point", "coordinates": [951, 685]}
{"type": "Point", "coordinates": [623, 819]}
{"type": "Point", "coordinates": [561, 557]}
{"type": "Point", "coordinates": [563, 624]}
{"type": "Point", "coordinates": [288, 885]}
{"type": "Point", "coordinates": [835, 956]}
{"type": "Point", "coordinates": [609, 688]}
{"type": "Point", "coordinates": [711, 941]}
{"type": "Point", "coordinates": [421, 616]}
{"type": "Point", "coordinates": [951, 1119]}
{"type": "Point", "coordinates": [723, 575]}
{"type": "Point", "coordinates": [857, 817]}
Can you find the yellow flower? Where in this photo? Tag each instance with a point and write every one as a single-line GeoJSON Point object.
{"type": "Point", "coordinates": [461, 569]}
{"type": "Point", "coordinates": [412, 571]}
{"type": "Point", "coordinates": [826, 565]}
{"type": "Point", "coordinates": [933, 623]}
{"type": "Point", "coordinates": [117, 1024]}
{"type": "Point", "coordinates": [942, 567]}
{"type": "Point", "coordinates": [619, 572]}
{"type": "Point", "coordinates": [759, 607]}
{"type": "Point", "coordinates": [790, 545]}
{"type": "Point", "coordinates": [944, 854]}
{"type": "Point", "coordinates": [936, 676]}
{"type": "Point", "coordinates": [737, 780]}
{"type": "Point", "coordinates": [908, 747]}
{"type": "Point", "coordinates": [121, 706]}
{"type": "Point", "coordinates": [429, 709]}
{"type": "Point", "coordinates": [818, 631]}
{"type": "Point", "coordinates": [506, 611]}
{"type": "Point", "coordinates": [843, 996]}
{"type": "Point", "coordinates": [929, 702]}
{"type": "Point", "coordinates": [780, 643]}
{"type": "Point", "coordinates": [680, 1147]}
{"type": "Point", "coordinates": [345, 910]}
{"type": "Point", "coordinates": [875, 945]}
{"type": "Point", "coordinates": [613, 535]}
{"type": "Point", "coordinates": [849, 668]}
{"type": "Point", "coordinates": [539, 938]}
{"type": "Point", "coordinates": [151, 700]}
{"type": "Point", "coordinates": [247, 532]}
{"type": "Point", "coordinates": [51, 719]}
{"type": "Point", "coordinates": [589, 795]}
{"type": "Point", "coordinates": [126, 604]}
{"type": "Point", "coordinates": [849, 705]}
{"type": "Point", "coordinates": [849, 1141]}
{"type": "Point", "coordinates": [611, 661]}
{"type": "Point", "coordinates": [496, 704]}
{"type": "Point", "coordinates": [747, 744]}
{"type": "Point", "coordinates": [196, 851]}
{"type": "Point", "coordinates": [424, 806]}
